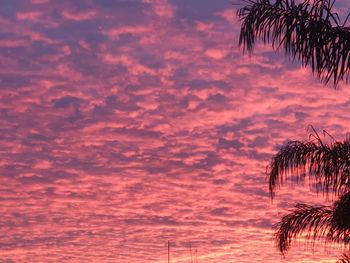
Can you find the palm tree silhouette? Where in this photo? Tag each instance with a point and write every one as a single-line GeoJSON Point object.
{"type": "Point", "coordinates": [312, 33]}
{"type": "Point", "coordinates": [328, 169]}
{"type": "Point", "coordinates": [344, 259]}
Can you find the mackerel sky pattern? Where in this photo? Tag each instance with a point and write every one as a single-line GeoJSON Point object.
{"type": "Point", "coordinates": [125, 124]}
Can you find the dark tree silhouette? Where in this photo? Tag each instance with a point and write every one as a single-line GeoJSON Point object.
{"type": "Point", "coordinates": [328, 169]}
{"type": "Point", "coordinates": [309, 32]}
{"type": "Point", "coordinates": [312, 33]}
{"type": "Point", "coordinates": [344, 259]}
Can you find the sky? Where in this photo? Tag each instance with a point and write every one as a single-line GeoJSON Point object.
{"type": "Point", "coordinates": [126, 124]}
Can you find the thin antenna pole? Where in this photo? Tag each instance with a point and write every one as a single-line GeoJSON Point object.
{"type": "Point", "coordinates": [196, 256]}
{"type": "Point", "coordinates": [191, 252]}
{"type": "Point", "coordinates": [168, 251]}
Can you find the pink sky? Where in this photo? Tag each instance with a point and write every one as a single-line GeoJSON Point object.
{"type": "Point", "coordinates": [128, 123]}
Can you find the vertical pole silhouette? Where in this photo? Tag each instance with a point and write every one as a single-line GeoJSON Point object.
{"type": "Point", "coordinates": [168, 251]}
{"type": "Point", "coordinates": [191, 252]}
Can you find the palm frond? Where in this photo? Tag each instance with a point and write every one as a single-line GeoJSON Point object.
{"type": "Point", "coordinates": [330, 224]}
{"type": "Point", "coordinates": [341, 215]}
{"type": "Point", "coordinates": [327, 165]}
{"type": "Point", "coordinates": [344, 259]}
{"type": "Point", "coordinates": [309, 32]}
{"type": "Point", "coordinates": [304, 219]}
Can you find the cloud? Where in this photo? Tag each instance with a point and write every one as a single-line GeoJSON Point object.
{"type": "Point", "coordinates": [80, 16]}
{"type": "Point", "coordinates": [31, 16]}
{"type": "Point", "coordinates": [215, 53]}
{"type": "Point", "coordinates": [162, 8]}
{"type": "Point", "coordinates": [125, 124]}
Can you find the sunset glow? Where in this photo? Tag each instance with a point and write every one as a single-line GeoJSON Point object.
{"type": "Point", "coordinates": [126, 124]}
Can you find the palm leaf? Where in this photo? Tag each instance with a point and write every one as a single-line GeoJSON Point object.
{"type": "Point", "coordinates": [309, 32]}
{"type": "Point", "coordinates": [327, 165]}
{"type": "Point", "coordinates": [344, 259]}
{"type": "Point", "coordinates": [330, 224]}
{"type": "Point", "coordinates": [304, 219]}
